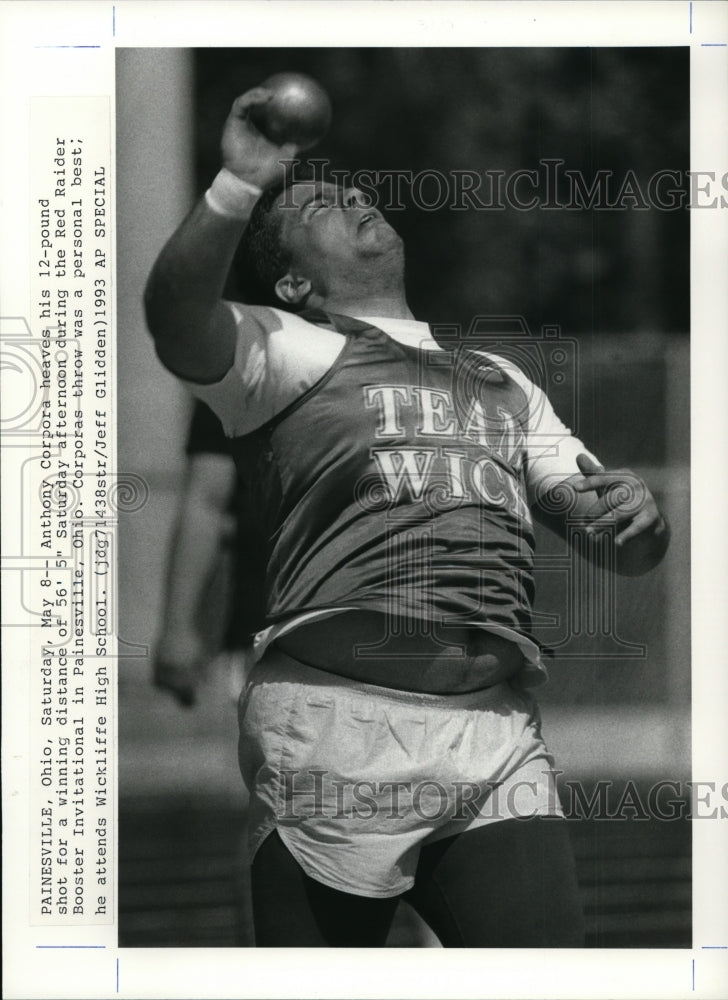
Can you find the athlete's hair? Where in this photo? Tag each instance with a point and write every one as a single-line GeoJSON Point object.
{"type": "Point", "coordinates": [262, 257]}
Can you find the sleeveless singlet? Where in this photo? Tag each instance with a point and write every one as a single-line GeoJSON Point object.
{"type": "Point", "coordinates": [396, 484]}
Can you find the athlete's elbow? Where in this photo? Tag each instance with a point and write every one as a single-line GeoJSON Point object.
{"type": "Point", "coordinates": [171, 329]}
{"type": "Point", "coordinates": [158, 311]}
{"type": "Point", "coordinates": [161, 331]}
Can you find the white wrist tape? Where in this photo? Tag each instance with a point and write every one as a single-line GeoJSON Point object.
{"type": "Point", "coordinates": [231, 196]}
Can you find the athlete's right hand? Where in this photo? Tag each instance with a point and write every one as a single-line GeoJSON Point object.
{"type": "Point", "coordinates": [246, 152]}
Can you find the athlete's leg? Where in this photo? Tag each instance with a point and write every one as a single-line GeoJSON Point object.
{"type": "Point", "coordinates": [510, 884]}
{"type": "Point", "coordinates": [292, 910]}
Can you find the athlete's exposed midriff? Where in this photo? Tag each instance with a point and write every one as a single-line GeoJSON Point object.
{"type": "Point", "coordinates": [367, 646]}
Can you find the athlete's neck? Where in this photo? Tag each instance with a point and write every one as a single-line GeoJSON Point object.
{"type": "Point", "coordinates": [392, 306]}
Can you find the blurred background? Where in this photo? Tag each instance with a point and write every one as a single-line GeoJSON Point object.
{"type": "Point", "coordinates": [611, 285]}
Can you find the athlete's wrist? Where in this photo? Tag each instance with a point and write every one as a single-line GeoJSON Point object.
{"type": "Point", "coordinates": [232, 196]}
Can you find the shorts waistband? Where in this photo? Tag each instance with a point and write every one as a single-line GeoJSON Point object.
{"type": "Point", "coordinates": [278, 667]}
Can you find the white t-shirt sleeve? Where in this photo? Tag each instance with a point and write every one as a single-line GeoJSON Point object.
{"type": "Point", "coordinates": [278, 357]}
{"type": "Point", "coordinates": [551, 448]}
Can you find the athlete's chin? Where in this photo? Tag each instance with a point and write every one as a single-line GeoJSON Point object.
{"type": "Point", "coordinates": [378, 239]}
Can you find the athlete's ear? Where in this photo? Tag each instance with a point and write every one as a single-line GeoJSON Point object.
{"type": "Point", "coordinates": [292, 290]}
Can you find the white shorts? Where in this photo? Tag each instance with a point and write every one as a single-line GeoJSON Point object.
{"type": "Point", "coordinates": [356, 777]}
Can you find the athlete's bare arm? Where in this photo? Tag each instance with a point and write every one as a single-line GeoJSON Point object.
{"type": "Point", "coordinates": [599, 497]}
{"type": "Point", "coordinates": [193, 330]}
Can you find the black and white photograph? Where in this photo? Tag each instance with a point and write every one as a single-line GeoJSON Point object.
{"type": "Point", "coordinates": [424, 468]}
{"type": "Point", "coordinates": [363, 564]}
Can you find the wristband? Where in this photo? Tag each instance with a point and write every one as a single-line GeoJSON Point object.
{"type": "Point", "coordinates": [231, 196]}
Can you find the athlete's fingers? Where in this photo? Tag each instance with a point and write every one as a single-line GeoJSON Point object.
{"type": "Point", "coordinates": [595, 510]}
{"type": "Point", "coordinates": [623, 495]}
{"type": "Point", "coordinates": [603, 480]}
{"type": "Point", "coordinates": [587, 465]}
{"type": "Point", "coordinates": [288, 151]}
{"type": "Point", "coordinates": [609, 517]}
{"type": "Point", "coordinates": [645, 521]}
{"type": "Point", "coordinates": [251, 98]}
{"type": "Point", "coordinates": [592, 483]}
{"type": "Point", "coordinates": [621, 500]}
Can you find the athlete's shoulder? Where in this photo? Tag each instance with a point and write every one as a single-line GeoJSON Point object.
{"type": "Point", "coordinates": [536, 408]}
{"type": "Point", "coordinates": [268, 320]}
{"type": "Point", "coordinates": [278, 357]}
{"type": "Point", "coordinates": [507, 366]}
{"type": "Point", "coordinates": [275, 345]}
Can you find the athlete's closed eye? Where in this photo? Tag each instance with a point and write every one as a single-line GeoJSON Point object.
{"type": "Point", "coordinates": [318, 203]}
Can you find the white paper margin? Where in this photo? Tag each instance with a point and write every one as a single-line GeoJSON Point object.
{"type": "Point", "coordinates": [28, 69]}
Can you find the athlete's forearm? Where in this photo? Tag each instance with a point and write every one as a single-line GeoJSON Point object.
{"type": "Point", "coordinates": [193, 331]}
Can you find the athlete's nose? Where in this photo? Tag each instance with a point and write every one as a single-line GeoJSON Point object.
{"type": "Point", "coordinates": [353, 198]}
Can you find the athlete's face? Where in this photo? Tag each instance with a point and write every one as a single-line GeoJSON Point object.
{"type": "Point", "coordinates": [334, 234]}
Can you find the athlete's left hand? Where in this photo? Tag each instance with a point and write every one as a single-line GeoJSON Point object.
{"type": "Point", "coordinates": [622, 498]}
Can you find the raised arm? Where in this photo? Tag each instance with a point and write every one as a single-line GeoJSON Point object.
{"type": "Point", "coordinates": [193, 329]}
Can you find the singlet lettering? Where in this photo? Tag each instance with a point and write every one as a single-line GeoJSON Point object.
{"type": "Point", "coordinates": [486, 468]}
